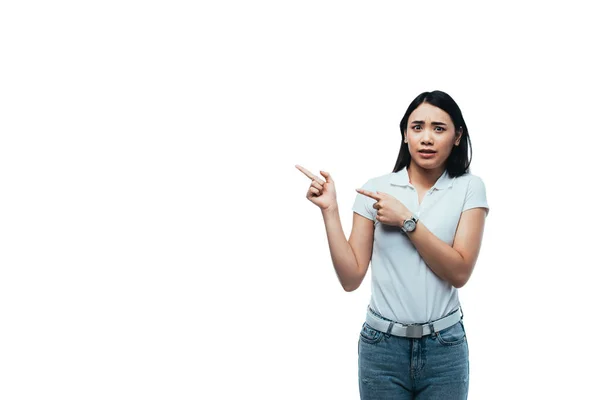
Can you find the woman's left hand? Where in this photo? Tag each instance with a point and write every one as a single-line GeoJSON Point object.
{"type": "Point", "coordinates": [390, 210]}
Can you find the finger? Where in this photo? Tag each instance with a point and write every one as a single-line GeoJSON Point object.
{"type": "Point", "coordinates": [306, 172]}
{"type": "Point", "coordinates": [327, 175]}
{"type": "Point", "coordinates": [315, 191]}
{"type": "Point", "coordinates": [369, 194]}
{"type": "Point", "coordinates": [317, 185]}
{"type": "Point", "coordinates": [309, 174]}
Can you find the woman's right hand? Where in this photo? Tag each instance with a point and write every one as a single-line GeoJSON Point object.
{"type": "Point", "coordinates": [321, 193]}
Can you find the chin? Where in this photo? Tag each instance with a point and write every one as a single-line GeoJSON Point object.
{"type": "Point", "coordinates": [427, 165]}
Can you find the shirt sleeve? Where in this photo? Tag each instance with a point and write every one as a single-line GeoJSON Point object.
{"type": "Point", "coordinates": [476, 195]}
{"type": "Point", "coordinates": [363, 205]}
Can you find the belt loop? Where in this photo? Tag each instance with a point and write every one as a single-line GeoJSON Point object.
{"type": "Point", "coordinates": [431, 329]}
{"type": "Point", "coordinates": [389, 328]}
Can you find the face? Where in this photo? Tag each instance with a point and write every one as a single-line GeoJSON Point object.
{"type": "Point", "coordinates": [431, 128]}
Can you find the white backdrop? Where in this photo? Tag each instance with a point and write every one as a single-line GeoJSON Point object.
{"type": "Point", "coordinates": [156, 240]}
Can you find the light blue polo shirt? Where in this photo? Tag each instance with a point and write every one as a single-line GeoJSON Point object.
{"type": "Point", "coordinates": [403, 287]}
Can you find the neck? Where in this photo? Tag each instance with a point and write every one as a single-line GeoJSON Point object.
{"type": "Point", "coordinates": [423, 177]}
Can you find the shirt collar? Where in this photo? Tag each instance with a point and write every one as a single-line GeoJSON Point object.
{"type": "Point", "coordinates": [400, 178]}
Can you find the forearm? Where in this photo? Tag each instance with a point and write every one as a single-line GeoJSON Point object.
{"type": "Point", "coordinates": [441, 258]}
{"type": "Point", "coordinates": [342, 256]}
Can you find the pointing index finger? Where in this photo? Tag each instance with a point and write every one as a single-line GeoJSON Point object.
{"type": "Point", "coordinates": [307, 173]}
{"type": "Point", "coordinates": [367, 193]}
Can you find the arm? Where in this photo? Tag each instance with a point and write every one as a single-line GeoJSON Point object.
{"type": "Point", "coordinates": [342, 255]}
{"type": "Point", "coordinates": [453, 264]}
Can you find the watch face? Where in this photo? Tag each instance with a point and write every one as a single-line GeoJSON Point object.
{"type": "Point", "coordinates": [409, 225]}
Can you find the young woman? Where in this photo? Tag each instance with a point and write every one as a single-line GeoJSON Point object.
{"type": "Point", "coordinates": [421, 228]}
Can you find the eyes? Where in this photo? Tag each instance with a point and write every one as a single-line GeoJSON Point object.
{"type": "Point", "coordinates": [419, 128]}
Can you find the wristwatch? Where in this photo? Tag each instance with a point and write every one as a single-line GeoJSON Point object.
{"type": "Point", "coordinates": [409, 224]}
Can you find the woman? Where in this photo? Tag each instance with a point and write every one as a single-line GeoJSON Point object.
{"type": "Point", "coordinates": [421, 228]}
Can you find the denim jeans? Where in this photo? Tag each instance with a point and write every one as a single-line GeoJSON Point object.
{"type": "Point", "coordinates": [432, 367]}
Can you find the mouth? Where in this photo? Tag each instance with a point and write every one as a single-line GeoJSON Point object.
{"type": "Point", "coordinates": [427, 154]}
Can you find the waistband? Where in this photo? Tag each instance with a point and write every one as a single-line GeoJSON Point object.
{"type": "Point", "coordinates": [412, 330]}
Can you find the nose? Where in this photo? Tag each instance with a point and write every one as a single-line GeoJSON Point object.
{"type": "Point", "coordinates": [427, 134]}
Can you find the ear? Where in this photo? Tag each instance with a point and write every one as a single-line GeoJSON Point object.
{"type": "Point", "coordinates": [459, 133]}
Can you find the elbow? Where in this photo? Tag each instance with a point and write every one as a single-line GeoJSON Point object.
{"type": "Point", "coordinates": [459, 284]}
{"type": "Point", "coordinates": [349, 288]}
{"type": "Point", "coordinates": [461, 280]}
{"type": "Point", "coordinates": [353, 281]}
{"type": "Point", "coordinates": [352, 285]}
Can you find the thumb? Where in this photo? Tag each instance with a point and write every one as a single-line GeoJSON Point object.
{"type": "Point", "coordinates": [327, 176]}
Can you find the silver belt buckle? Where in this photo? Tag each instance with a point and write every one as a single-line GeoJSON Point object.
{"type": "Point", "coordinates": [414, 331]}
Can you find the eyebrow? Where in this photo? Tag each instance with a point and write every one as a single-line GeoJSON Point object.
{"type": "Point", "coordinates": [423, 122]}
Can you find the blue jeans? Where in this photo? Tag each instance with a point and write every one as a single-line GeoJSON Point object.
{"type": "Point", "coordinates": [432, 367]}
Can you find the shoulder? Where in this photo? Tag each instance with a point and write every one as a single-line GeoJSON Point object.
{"type": "Point", "coordinates": [378, 182]}
{"type": "Point", "coordinates": [469, 180]}
{"type": "Point", "coordinates": [382, 180]}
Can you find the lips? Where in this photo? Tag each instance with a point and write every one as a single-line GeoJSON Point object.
{"type": "Point", "coordinates": [426, 151]}
{"type": "Point", "coordinates": [427, 154]}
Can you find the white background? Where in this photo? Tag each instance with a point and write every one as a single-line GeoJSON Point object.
{"type": "Point", "coordinates": [155, 237]}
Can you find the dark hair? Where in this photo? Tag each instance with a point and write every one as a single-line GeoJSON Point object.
{"type": "Point", "coordinates": [458, 161]}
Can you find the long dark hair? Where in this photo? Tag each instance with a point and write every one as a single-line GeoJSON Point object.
{"type": "Point", "coordinates": [459, 160]}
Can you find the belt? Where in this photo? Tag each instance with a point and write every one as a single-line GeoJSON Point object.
{"type": "Point", "coordinates": [413, 330]}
